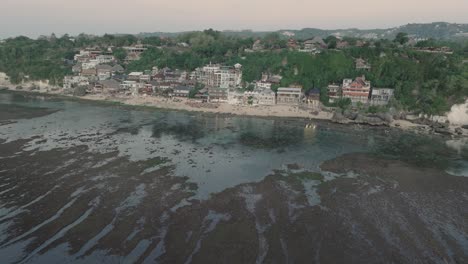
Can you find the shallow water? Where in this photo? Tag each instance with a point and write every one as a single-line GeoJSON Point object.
{"type": "Point", "coordinates": [122, 175]}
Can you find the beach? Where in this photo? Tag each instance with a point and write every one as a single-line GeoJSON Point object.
{"type": "Point", "coordinates": [192, 105]}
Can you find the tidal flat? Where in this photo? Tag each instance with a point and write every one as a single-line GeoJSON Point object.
{"type": "Point", "coordinates": [91, 183]}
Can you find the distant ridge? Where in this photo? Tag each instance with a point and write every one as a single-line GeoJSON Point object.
{"type": "Point", "coordinates": [436, 30]}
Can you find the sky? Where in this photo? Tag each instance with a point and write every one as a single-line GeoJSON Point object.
{"type": "Point", "coordinates": [43, 17]}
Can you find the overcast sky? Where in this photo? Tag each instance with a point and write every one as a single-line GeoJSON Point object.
{"type": "Point", "coordinates": [42, 17]}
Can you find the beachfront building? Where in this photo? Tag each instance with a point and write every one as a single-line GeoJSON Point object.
{"type": "Point", "coordinates": [334, 92]}
{"type": "Point", "coordinates": [266, 97]}
{"type": "Point", "coordinates": [235, 97]}
{"type": "Point", "coordinates": [255, 97]}
{"type": "Point", "coordinates": [381, 96]}
{"type": "Point", "coordinates": [289, 96]}
{"type": "Point", "coordinates": [182, 91]}
{"type": "Point", "coordinates": [70, 82]}
{"type": "Point", "coordinates": [107, 87]}
{"type": "Point", "coordinates": [217, 94]}
{"type": "Point", "coordinates": [357, 90]}
{"type": "Point", "coordinates": [313, 98]}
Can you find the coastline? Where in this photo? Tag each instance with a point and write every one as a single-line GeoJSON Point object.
{"type": "Point", "coordinates": [223, 108]}
{"type": "Point", "coordinates": [184, 104]}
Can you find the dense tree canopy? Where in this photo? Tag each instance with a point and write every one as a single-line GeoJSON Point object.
{"type": "Point", "coordinates": [424, 82]}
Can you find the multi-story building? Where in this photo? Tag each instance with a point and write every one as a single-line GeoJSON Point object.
{"type": "Point", "coordinates": [334, 92]}
{"type": "Point", "coordinates": [265, 97]}
{"type": "Point", "coordinates": [217, 76]}
{"type": "Point", "coordinates": [217, 94]}
{"type": "Point", "coordinates": [357, 90]}
{"type": "Point", "coordinates": [289, 96]}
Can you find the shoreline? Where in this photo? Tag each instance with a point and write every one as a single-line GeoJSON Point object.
{"type": "Point", "coordinates": [223, 108]}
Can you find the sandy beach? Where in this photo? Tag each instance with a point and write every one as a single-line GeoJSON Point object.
{"type": "Point", "coordinates": [215, 107]}
{"type": "Point", "coordinates": [185, 104]}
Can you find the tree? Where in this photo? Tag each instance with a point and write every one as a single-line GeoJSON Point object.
{"type": "Point", "coordinates": [120, 54]}
{"type": "Point", "coordinates": [331, 42]}
{"type": "Point", "coordinates": [79, 91]}
{"type": "Point", "coordinates": [401, 38]}
{"type": "Point", "coordinates": [343, 103]}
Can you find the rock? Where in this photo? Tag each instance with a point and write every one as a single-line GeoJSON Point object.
{"type": "Point", "coordinates": [459, 131]}
{"type": "Point", "coordinates": [385, 116]}
{"type": "Point", "coordinates": [373, 120]}
{"type": "Point", "coordinates": [350, 114]}
{"type": "Point", "coordinates": [339, 118]}
{"type": "Point", "coordinates": [443, 131]}
{"type": "Point", "coordinates": [465, 126]}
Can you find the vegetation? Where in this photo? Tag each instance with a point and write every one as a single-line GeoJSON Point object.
{"type": "Point", "coordinates": [423, 82]}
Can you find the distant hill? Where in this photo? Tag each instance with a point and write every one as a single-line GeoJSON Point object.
{"type": "Point", "coordinates": [436, 30]}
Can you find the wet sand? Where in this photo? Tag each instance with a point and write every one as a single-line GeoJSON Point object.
{"type": "Point", "coordinates": [377, 211]}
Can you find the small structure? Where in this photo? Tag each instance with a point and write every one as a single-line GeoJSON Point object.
{"type": "Point", "coordinates": [381, 96]}
{"type": "Point", "coordinates": [257, 46]}
{"type": "Point", "coordinates": [134, 76]}
{"type": "Point", "coordinates": [289, 96]}
{"type": "Point", "coordinates": [292, 44]}
{"type": "Point", "coordinates": [334, 92]}
{"type": "Point", "coordinates": [117, 69]}
{"type": "Point", "coordinates": [313, 98]}
{"type": "Point", "coordinates": [262, 85]}
{"type": "Point", "coordinates": [342, 44]}
{"type": "Point", "coordinates": [362, 64]}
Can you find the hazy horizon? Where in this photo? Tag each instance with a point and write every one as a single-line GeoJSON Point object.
{"type": "Point", "coordinates": [34, 18]}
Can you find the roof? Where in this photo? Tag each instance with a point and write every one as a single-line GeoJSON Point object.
{"type": "Point", "coordinates": [117, 68]}
{"type": "Point", "coordinates": [289, 89]}
{"type": "Point", "coordinates": [103, 67]}
{"type": "Point", "coordinates": [182, 88]}
{"type": "Point", "coordinates": [135, 74]}
{"type": "Point", "coordinates": [316, 40]}
{"type": "Point", "coordinates": [314, 91]}
{"type": "Point", "coordinates": [113, 84]}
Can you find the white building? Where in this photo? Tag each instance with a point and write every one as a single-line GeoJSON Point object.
{"type": "Point", "coordinates": [261, 85]}
{"type": "Point", "coordinates": [381, 96]}
{"type": "Point", "coordinates": [91, 64]}
{"type": "Point", "coordinates": [134, 76]}
{"type": "Point", "coordinates": [217, 76]}
{"type": "Point", "coordinates": [69, 82]}
{"type": "Point", "coordinates": [290, 96]}
{"type": "Point", "coordinates": [102, 59]}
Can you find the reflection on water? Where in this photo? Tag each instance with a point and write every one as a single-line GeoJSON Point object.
{"type": "Point", "coordinates": [215, 152]}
